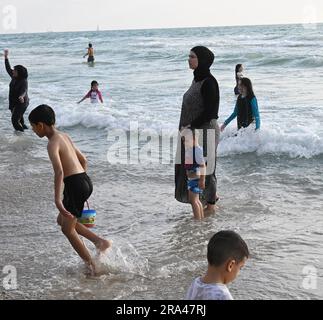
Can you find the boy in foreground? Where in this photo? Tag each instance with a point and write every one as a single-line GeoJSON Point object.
{"type": "Point", "coordinates": [226, 254]}
{"type": "Point", "coordinates": [69, 166]}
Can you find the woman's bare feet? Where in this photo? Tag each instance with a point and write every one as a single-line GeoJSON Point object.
{"type": "Point", "coordinates": [210, 209]}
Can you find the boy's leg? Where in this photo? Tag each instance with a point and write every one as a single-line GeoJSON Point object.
{"type": "Point", "coordinates": [100, 243]}
{"type": "Point", "coordinates": [201, 209]}
{"type": "Point", "coordinates": [68, 228]}
{"type": "Point", "coordinates": [194, 200]}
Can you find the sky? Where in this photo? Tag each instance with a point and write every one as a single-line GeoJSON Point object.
{"type": "Point", "coordinates": [79, 15]}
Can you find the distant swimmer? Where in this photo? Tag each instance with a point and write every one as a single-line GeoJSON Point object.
{"type": "Point", "coordinates": [94, 94]}
{"type": "Point", "coordinates": [246, 109]}
{"type": "Point", "coordinates": [70, 167]}
{"type": "Point", "coordinates": [239, 75]}
{"type": "Point", "coordinates": [90, 54]}
{"type": "Point", "coordinates": [18, 93]}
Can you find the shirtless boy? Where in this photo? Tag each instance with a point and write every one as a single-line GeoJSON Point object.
{"type": "Point", "coordinates": [69, 166]}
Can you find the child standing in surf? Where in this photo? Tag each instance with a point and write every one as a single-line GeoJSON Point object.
{"type": "Point", "coordinates": [94, 94]}
{"type": "Point", "coordinates": [90, 54]}
{"type": "Point", "coordinates": [246, 109]}
{"type": "Point", "coordinates": [69, 166]}
{"type": "Point", "coordinates": [195, 170]}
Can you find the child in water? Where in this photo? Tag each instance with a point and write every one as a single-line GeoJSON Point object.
{"type": "Point", "coordinates": [90, 54]}
{"type": "Point", "coordinates": [227, 254]}
{"type": "Point", "coordinates": [246, 109]}
{"type": "Point", "coordinates": [94, 94]}
{"type": "Point", "coordinates": [69, 166]}
{"type": "Point", "coordinates": [195, 171]}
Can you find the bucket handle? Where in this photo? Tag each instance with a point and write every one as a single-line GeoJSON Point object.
{"type": "Point", "coordinates": [87, 203]}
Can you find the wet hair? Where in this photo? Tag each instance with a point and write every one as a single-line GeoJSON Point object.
{"type": "Point", "coordinates": [238, 66]}
{"type": "Point", "coordinates": [90, 45]}
{"type": "Point", "coordinates": [44, 114]}
{"type": "Point", "coordinates": [226, 245]}
{"type": "Point", "coordinates": [247, 83]}
{"type": "Point", "coordinates": [93, 83]}
{"type": "Point", "coordinates": [21, 71]}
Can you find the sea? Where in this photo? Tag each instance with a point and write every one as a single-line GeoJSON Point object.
{"type": "Point", "coordinates": [269, 182]}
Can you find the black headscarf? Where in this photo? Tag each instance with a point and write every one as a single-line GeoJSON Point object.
{"type": "Point", "coordinates": [205, 59]}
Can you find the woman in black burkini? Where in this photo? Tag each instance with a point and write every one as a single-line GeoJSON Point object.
{"type": "Point", "coordinates": [200, 111]}
{"type": "Point", "coordinates": [18, 94]}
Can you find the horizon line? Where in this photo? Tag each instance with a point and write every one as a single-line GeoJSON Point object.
{"type": "Point", "coordinates": [163, 28]}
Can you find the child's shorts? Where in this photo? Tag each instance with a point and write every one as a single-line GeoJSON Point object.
{"type": "Point", "coordinates": [77, 190]}
{"type": "Point", "coordinates": [193, 186]}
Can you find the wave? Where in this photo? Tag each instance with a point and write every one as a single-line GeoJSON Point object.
{"type": "Point", "coordinates": [292, 61]}
{"type": "Point", "coordinates": [300, 143]}
{"type": "Point", "coordinates": [87, 115]}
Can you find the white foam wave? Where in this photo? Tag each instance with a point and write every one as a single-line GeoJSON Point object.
{"type": "Point", "coordinates": [299, 143]}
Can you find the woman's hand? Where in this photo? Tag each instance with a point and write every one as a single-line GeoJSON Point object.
{"type": "Point", "coordinates": [21, 99]}
{"type": "Point", "coordinates": [222, 127]}
{"type": "Point", "coordinates": [6, 53]}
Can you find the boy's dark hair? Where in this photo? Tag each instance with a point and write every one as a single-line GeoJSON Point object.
{"type": "Point", "coordinates": [90, 45]}
{"type": "Point", "coordinates": [93, 83]}
{"type": "Point", "coordinates": [225, 245]}
{"type": "Point", "coordinates": [42, 113]}
{"type": "Point", "coordinates": [21, 71]}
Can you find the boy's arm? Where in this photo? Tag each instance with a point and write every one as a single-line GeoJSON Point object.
{"type": "Point", "coordinates": [82, 158]}
{"type": "Point", "coordinates": [86, 54]}
{"type": "Point", "coordinates": [202, 177]}
{"type": "Point", "coordinates": [80, 155]}
{"type": "Point", "coordinates": [53, 152]}
{"type": "Point", "coordinates": [200, 160]}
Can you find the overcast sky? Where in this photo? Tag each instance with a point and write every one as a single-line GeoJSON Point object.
{"type": "Point", "coordinates": [78, 15]}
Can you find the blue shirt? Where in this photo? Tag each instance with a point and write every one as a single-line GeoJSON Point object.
{"type": "Point", "coordinates": [255, 113]}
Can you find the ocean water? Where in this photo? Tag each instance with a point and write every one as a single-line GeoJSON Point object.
{"type": "Point", "coordinates": [270, 183]}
